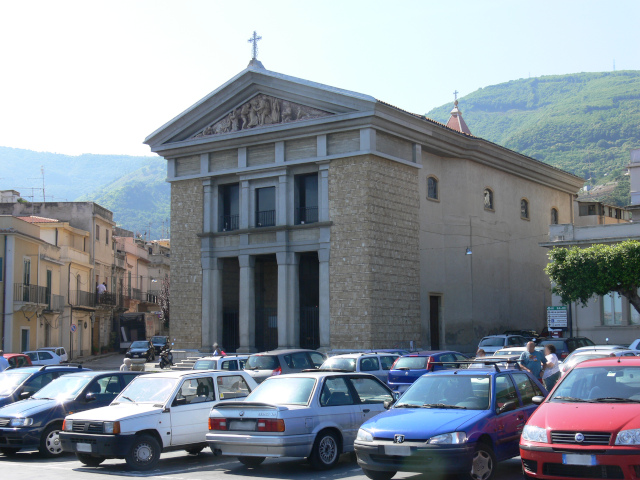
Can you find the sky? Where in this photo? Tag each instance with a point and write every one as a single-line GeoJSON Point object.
{"type": "Point", "coordinates": [99, 76]}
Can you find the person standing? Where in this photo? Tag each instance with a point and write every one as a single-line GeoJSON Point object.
{"type": "Point", "coordinates": [532, 360]}
{"type": "Point", "coordinates": [4, 364]}
{"type": "Point", "coordinates": [552, 369]}
{"type": "Point", "coordinates": [126, 365]}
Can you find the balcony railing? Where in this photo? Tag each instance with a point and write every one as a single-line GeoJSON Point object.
{"type": "Point", "coordinates": [266, 218]}
{"type": "Point", "coordinates": [136, 294]}
{"type": "Point", "coordinates": [80, 298]}
{"type": "Point", "coordinates": [30, 294]}
{"type": "Point", "coordinates": [56, 303]}
{"type": "Point", "coordinates": [306, 215]}
{"type": "Point", "coordinates": [229, 223]}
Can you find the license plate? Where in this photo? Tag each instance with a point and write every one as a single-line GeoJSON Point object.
{"type": "Point", "coordinates": [83, 447]}
{"type": "Point", "coordinates": [242, 425]}
{"type": "Point", "coordinates": [578, 459]}
{"type": "Point", "coordinates": [402, 450]}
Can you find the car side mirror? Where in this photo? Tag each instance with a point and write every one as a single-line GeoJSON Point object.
{"type": "Point", "coordinates": [538, 399]}
{"type": "Point", "coordinates": [388, 403]}
{"type": "Point", "coordinates": [25, 395]}
{"type": "Point", "coordinates": [90, 397]}
{"type": "Point", "coordinates": [507, 407]}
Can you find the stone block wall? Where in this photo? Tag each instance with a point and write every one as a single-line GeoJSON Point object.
{"type": "Point", "coordinates": [186, 267]}
{"type": "Point", "coordinates": [374, 262]}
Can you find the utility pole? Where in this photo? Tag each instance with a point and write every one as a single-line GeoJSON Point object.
{"type": "Point", "coordinates": [44, 198]}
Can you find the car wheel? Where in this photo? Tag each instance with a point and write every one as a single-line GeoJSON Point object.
{"type": "Point", "coordinates": [144, 453]}
{"type": "Point", "coordinates": [251, 461]}
{"type": "Point", "coordinates": [484, 463]}
{"type": "Point", "coordinates": [50, 445]}
{"type": "Point", "coordinates": [90, 461]}
{"type": "Point", "coordinates": [376, 475]}
{"type": "Point", "coordinates": [8, 451]}
{"type": "Point", "coordinates": [326, 451]}
{"type": "Point", "coordinates": [194, 451]}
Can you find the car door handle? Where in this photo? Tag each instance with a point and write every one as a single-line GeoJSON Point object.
{"type": "Point", "coordinates": [366, 410]}
{"type": "Point", "coordinates": [520, 417]}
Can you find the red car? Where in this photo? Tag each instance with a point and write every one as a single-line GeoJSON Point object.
{"type": "Point", "coordinates": [588, 426]}
{"type": "Point", "coordinates": [17, 360]}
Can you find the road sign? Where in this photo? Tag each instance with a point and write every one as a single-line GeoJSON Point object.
{"type": "Point", "coordinates": [556, 317]}
{"type": "Point", "coordinates": [73, 327]}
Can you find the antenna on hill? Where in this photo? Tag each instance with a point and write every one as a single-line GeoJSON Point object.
{"type": "Point", "coordinates": [44, 198]}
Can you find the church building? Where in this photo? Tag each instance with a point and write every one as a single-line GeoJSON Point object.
{"type": "Point", "coordinates": [304, 215]}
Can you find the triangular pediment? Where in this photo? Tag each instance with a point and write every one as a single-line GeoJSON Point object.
{"type": "Point", "coordinates": [262, 110]}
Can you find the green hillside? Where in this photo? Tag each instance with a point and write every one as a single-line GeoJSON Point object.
{"type": "Point", "coordinates": [585, 123]}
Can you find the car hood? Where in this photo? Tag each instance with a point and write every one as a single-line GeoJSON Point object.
{"type": "Point", "coordinates": [419, 424]}
{"type": "Point", "coordinates": [593, 417]}
{"type": "Point", "coordinates": [25, 408]}
{"type": "Point", "coordinates": [137, 350]}
{"type": "Point", "coordinates": [6, 400]}
{"type": "Point", "coordinates": [118, 412]}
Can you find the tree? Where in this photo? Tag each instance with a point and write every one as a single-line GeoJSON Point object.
{"type": "Point", "coordinates": [580, 273]}
{"type": "Point", "coordinates": [163, 299]}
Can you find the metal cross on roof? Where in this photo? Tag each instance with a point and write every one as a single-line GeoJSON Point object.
{"type": "Point", "coordinates": [455, 93]}
{"type": "Point", "coordinates": [254, 39]}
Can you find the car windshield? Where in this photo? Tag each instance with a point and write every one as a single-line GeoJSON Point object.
{"type": "Point", "coordinates": [147, 390]}
{"type": "Point", "coordinates": [262, 362]}
{"type": "Point", "coordinates": [283, 391]}
{"type": "Point", "coordinates": [448, 391]}
{"type": "Point", "coordinates": [9, 382]}
{"type": "Point", "coordinates": [411, 363]}
{"type": "Point", "coordinates": [610, 384]}
{"type": "Point", "coordinates": [492, 342]}
{"type": "Point", "coordinates": [158, 339]}
{"type": "Point", "coordinates": [348, 364]}
{"type": "Point", "coordinates": [204, 365]}
{"type": "Point", "coordinates": [62, 388]}
{"type": "Point", "coordinates": [140, 345]}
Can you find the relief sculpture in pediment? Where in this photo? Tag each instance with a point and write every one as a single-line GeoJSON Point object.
{"type": "Point", "coordinates": [259, 111]}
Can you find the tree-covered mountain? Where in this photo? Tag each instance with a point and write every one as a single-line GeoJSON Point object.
{"type": "Point", "coordinates": [585, 123]}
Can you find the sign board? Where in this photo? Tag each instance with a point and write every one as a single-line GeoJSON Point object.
{"type": "Point", "coordinates": [556, 317]}
{"type": "Point", "coordinates": [73, 327]}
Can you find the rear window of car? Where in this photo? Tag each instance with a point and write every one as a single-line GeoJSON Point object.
{"type": "Point", "coordinates": [347, 364]}
{"type": "Point", "coordinates": [411, 363]}
{"type": "Point", "coordinates": [492, 342]}
{"type": "Point", "coordinates": [204, 365]}
{"type": "Point", "coordinates": [158, 339]}
{"type": "Point", "coordinates": [559, 344]}
{"type": "Point", "coordinates": [262, 362]}
{"type": "Point", "coordinates": [283, 391]}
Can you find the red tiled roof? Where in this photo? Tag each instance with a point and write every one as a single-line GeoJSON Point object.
{"type": "Point", "coordinates": [34, 219]}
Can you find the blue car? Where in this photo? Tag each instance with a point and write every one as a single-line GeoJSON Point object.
{"type": "Point", "coordinates": [450, 422]}
{"type": "Point", "coordinates": [409, 368]}
{"type": "Point", "coordinates": [20, 383]}
{"type": "Point", "coordinates": [36, 422]}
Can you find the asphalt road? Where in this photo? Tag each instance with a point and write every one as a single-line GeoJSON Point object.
{"type": "Point", "coordinates": [205, 466]}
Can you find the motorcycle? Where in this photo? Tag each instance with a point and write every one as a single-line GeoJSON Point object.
{"type": "Point", "coordinates": [166, 357]}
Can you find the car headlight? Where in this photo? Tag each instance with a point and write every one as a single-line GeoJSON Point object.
{"type": "Point", "coordinates": [364, 436]}
{"type": "Point", "coordinates": [449, 438]}
{"type": "Point", "coordinates": [534, 434]}
{"type": "Point", "coordinates": [20, 422]}
{"type": "Point", "coordinates": [112, 428]}
{"type": "Point", "coordinates": [67, 425]}
{"type": "Point", "coordinates": [628, 437]}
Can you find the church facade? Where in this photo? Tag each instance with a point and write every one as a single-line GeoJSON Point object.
{"type": "Point", "coordinates": [304, 215]}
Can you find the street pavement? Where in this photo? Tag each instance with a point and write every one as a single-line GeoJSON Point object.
{"type": "Point", "coordinates": [205, 466]}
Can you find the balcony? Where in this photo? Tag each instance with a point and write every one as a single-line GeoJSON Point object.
{"type": "Point", "coordinates": [79, 298]}
{"type": "Point", "coordinates": [266, 218]}
{"type": "Point", "coordinates": [306, 215]}
{"type": "Point", "coordinates": [37, 296]}
{"type": "Point", "coordinates": [229, 223]}
{"type": "Point", "coordinates": [68, 254]}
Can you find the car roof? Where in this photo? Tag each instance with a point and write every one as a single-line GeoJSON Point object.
{"type": "Point", "coordinates": [193, 373]}
{"type": "Point", "coordinates": [36, 351]}
{"type": "Point", "coordinates": [7, 355]}
{"type": "Point", "coordinates": [48, 368]}
{"type": "Point", "coordinates": [97, 373]}
{"type": "Point", "coordinates": [322, 373]}
{"type": "Point", "coordinates": [475, 370]}
{"type": "Point", "coordinates": [283, 352]}
{"type": "Point", "coordinates": [219, 357]}
{"type": "Point", "coordinates": [361, 354]}
{"type": "Point", "coordinates": [609, 362]}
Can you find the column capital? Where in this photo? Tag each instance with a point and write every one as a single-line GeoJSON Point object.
{"type": "Point", "coordinates": [208, 182]}
{"type": "Point", "coordinates": [287, 258]}
{"type": "Point", "coordinates": [323, 255]}
{"type": "Point", "coordinates": [247, 261]}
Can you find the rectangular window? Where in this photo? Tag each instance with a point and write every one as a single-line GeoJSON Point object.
{"type": "Point", "coordinates": [106, 237]}
{"type": "Point", "coordinates": [306, 199]}
{"type": "Point", "coordinates": [612, 309]}
{"type": "Point", "coordinates": [26, 275]}
{"type": "Point", "coordinates": [97, 232]}
{"type": "Point", "coordinates": [229, 207]}
{"type": "Point", "coordinates": [265, 207]}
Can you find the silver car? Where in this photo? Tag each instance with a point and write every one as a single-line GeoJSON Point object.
{"type": "Point", "coordinates": [310, 414]}
{"type": "Point", "coordinates": [280, 362]}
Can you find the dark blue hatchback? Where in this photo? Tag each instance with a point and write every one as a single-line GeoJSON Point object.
{"type": "Point", "coordinates": [407, 369]}
{"type": "Point", "coordinates": [452, 422]}
{"type": "Point", "coordinates": [36, 422]}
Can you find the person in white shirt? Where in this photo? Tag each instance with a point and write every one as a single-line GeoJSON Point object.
{"type": "Point", "coordinates": [4, 364]}
{"type": "Point", "coordinates": [126, 365]}
{"type": "Point", "coordinates": [551, 372]}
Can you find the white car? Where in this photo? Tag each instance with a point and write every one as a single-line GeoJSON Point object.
{"type": "Point", "coordinates": [60, 351]}
{"type": "Point", "coordinates": [377, 364]}
{"type": "Point", "coordinates": [491, 343]}
{"type": "Point", "coordinates": [579, 355]}
{"type": "Point", "coordinates": [43, 357]}
{"type": "Point", "coordinates": [221, 362]}
{"type": "Point", "coordinates": [155, 413]}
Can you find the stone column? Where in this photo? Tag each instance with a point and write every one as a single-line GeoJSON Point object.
{"type": "Point", "coordinates": [212, 273]}
{"type": "Point", "coordinates": [281, 212]}
{"type": "Point", "coordinates": [293, 297]}
{"type": "Point", "coordinates": [323, 307]}
{"type": "Point", "coordinates": [244, 204]}
{"type": "Point", "coordinates": [323, 192]}
{"type": "Point", "coordinates": [283, 259]}
{"type": "Point", "coordinates": [247, 314]}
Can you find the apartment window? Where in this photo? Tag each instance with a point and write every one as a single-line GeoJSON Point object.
{"type": "Point", "coordinates": [554, 216]}
{"type": "Point", "coordinates": [265, 207]}
{"type": "Point", "coordinates": [612, 309]}
{"type": "Point", "coordinates": [56, 237]}
{"type": "Point", "coordinates": [488, 199]}
{"type": "Point", "coordinates": [97, 232]}
{"type": "Point", "coordinates": [432, 188]}
{"type": "Point", "coordinates": [591, 210]}
{"type": "Point", "coordinates": [26, 274]}
{"type": "Point", "coordinates": [229, 207]}
{"type": "Point", "coordinates": [306, 199]}
{"type": "Point", "coordinates": [106, 237]}
{"type": "Point", "coordinates": [524, 209]}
